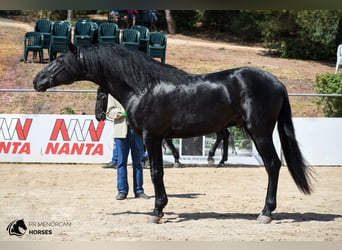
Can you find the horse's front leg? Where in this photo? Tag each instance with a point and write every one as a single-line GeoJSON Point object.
{"type": "Point", "coordinates": [154, 149]}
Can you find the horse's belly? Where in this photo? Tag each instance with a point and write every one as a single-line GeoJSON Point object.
{"type": "Point", "coordinates": [201, 123]}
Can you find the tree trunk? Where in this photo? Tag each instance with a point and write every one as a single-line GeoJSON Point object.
{"type": "Point", "coordinates": [70, 15]}
{"type": "Point", "coordinates": [171, 24]}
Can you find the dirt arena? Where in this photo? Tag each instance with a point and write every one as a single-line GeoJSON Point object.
{"type": "Point", "coordinates": [77, 202]}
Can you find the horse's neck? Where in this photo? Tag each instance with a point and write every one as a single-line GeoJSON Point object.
{"type": "Point", "coordinates": [115, 89]}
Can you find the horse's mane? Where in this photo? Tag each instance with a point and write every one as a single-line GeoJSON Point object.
{"type": "Point", "coordinates": [136, 69]}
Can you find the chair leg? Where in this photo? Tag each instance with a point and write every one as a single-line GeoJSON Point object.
{"type": "Point", "coordinates": [25, 56]}
{"type": "Point", "coordinates": [41, 56]}
{"type": "Point", "coordinates": [337, 65]}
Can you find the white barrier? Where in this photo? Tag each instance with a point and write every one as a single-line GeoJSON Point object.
{"type": "Point", "coordinates": [81, 139]}
{"type": "Point", "coordinates": [320, 140]}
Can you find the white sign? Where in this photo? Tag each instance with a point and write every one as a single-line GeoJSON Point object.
{"type": "Point", "coordinates": [55, 138]}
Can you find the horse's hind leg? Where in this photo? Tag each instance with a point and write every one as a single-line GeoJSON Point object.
{"type": "Point", "coordinates": [211, 154]}
{"type": "Point", "coordinates": [272, 163]}
{"type": "Point", "coordinates": [225, 147]}
{"type": "Point", "coordinates": [174, 152]}
{"type": "Point", "coordinates": [154, 149]}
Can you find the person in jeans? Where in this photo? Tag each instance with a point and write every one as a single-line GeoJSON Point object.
{"type": "Point", "coordinates": [126, 140]}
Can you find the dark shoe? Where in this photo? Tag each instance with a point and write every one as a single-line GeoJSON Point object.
{"type": "Point", "coordinates": [110, 165]}
{"type": "Point", "coordinates": [142, 196]}
{"type": "Point", "coordinates": [121, 196]}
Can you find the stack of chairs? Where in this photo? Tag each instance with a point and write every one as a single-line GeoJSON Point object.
{"type": "Point", "coordinates": [144, 37]}
{"type": "Point", "coordinates": [44, 26]}
{"type": "Point", "coordinates": [60, 37]}
{"type": "Point", "coordinates": [108, 33]}
{"type": "Point", "coordinates": [34, 42]}
{"type": "Point", "coordinates": [130, 39]}
{"type": "Point", "coordinates": [84, 32]}
{"type": "Point", "coordinates": [157, 46]}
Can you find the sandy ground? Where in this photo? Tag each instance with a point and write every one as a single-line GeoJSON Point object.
{"type": "Point", "coordinates": [77, 202]}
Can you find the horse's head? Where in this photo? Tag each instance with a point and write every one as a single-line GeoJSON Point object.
{"type": "Point", "coordinates": [21, 224]}
{"type": "Point", "coordinates": [66, 69]}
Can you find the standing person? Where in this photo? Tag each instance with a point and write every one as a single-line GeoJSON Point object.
{"type": "Point", "coordinates": [125, 140]}
{"type": "Point", "coordinates": [114, 162]}
{"type": "Point", "coordinates": [131, 14]}
{"type": "Point", "coordinates": [115, 16]}
{"type": "Point", "coordinates": [154, 17]}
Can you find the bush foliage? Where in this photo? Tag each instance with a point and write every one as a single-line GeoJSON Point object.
{"type": "Point", "coordinates": [330, 84]}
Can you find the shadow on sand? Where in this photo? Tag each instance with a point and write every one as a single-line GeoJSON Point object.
{"type": "Point", "coordinates": [277, 217]}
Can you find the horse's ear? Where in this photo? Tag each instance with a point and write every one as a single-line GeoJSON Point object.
{"type": "Point", "coordinates": [72, 48]}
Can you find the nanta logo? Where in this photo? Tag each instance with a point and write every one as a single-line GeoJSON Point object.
{"type": "Point", "coordinates": [80, 137]}
{"type": "Point", "coordinates": [14, 127]}
{"type": "Point", "coordinates": [12, 130]}
{"type": "Point", "coordinates": [77, 129]}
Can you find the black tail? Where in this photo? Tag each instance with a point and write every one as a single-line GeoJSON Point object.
{"type": "Point", "coordinates": [296, 164]}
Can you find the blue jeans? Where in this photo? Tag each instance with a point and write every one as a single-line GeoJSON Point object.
{"type": "Point", "coordinates": [115, 154]}
{"type": "Point", "coordinates": [134, 143]}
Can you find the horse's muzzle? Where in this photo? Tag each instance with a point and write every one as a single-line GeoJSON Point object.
{"type": "Point", "coordinates": [40, 85]}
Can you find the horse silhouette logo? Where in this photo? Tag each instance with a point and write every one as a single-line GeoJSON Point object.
{"type": "Point", "coordinates": [17, 227]}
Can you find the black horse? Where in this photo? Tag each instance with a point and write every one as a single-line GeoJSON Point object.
{"type": "Point", "coordinates": [162, 101]}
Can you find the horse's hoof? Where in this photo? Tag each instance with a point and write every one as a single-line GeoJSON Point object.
{"type": "Point", "coordinates": [220, 165]}
{"type": "Point", "coordinates": [211, 162]}
{"type": "Point", "coordinates": [263, 219]}
{"type": "Point", "coordinates": [176, 165]}
{"type": "Point", "coordinates": [156, 219]}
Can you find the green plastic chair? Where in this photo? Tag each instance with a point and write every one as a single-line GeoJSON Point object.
{"type": "Point", "coordinates": [84, 32]}
{"type": "Point", "coordinates": [144, 37]}
{"type": "Point", "coordinates": [33, 41]}
{"type": "Point", "coordinates": [157, 46]}
{"type": "Point", "coordinates": [130, 39]}
{"type": "Point", "coordinates": [108, 33]}
{"type": "Point", "coordinates": [60, 37]}
{"type": "Point", "coordinates": [44, 26]}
